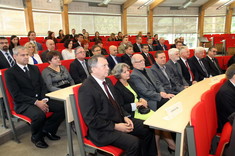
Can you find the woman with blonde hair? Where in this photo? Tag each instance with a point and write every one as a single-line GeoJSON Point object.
{"type": "Point", "coordinates": [34, 58]}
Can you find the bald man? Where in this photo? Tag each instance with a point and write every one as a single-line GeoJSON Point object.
{"type": "Point", "coordinates": [112, 58]}
{"type": "Point", "coordinates": [50, 44]}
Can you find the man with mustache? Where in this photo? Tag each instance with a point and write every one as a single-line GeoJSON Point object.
{"type": "Point", "coordinates": [6, 59]}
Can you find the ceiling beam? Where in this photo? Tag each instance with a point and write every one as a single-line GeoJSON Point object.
{"type": "Point", "coordinates": [155, 4]}
{"type": "Point", "coordinates": [208, 4]}
{"type": "Point", "coordinates": [67, 1]}
{"type": "Point", "coordinates": [128, 3]}
{"type": "Point", "coordinates": [232, 5]}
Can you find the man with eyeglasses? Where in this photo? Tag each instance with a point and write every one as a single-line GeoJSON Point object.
{"type": "Point", "coordinates": [6, 58]}
{"type": "Point", "coordinates": [147, 85]}
{"type": "Point", "coordinates": [212, 62]}
{"type": "Point", "coordinates": [79, 68]}
{"type": "Point", "coordinates": [96, 50]}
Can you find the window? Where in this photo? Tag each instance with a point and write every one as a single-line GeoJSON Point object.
{"type": "Point", "coordinates": [233, 25]}
{"type": "Point", "coordinates": [12, 22]}
{"type": "Point", "coordinates": [214, 25]}
{"type": "Point", "coordinates": [136, 24]}
{"type": "Point", "coordinates": [104, 24]}
{"type": "Point", "coordinates": [47, 21]}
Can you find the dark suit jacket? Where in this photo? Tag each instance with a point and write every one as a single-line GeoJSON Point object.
{"type": "Point", "coordinates": [147, 62]}
{"type": "Point", "coordinates": [3, 61]}
{"type": "Point", "coordinates": [153, 48]}
{"type": "Point", "coordinates": [185, 71]}
{"type": "Point", "coordinates": [76, 44]}
{"type": "Point", "coordinates": [24, 90]}
{"type": "Point", "coordinates": [170, 86]}
{"type": "Point", "coordinates": [44, 54]}
{"type": "Point", "coordinates": [39, 46]}
{"type": "Point", "coordinates": [103, 51]}
{"type": "Point", "coordinates": [231, 60]}
{"type": "Point", "coordinates": [126, 59]}
{"type": "Point", "coordinates": [77, 71]}
{"type": "Point", "coordinates": [111, 61]}
{"type": "Point", "coordinates": [155, 42]}
{"type": "Point", "coordinates": [211, 66]}
{"type": "Point", "coordinates": [159, 47]}
{"type": "Point", "coordinates": [99, 113]}
{"type": "Point", "coordinates": [127, 96]}
{"type": "Point", "coordinates": [225, 100]}
{"type": "Point", "coordinates": [173, 46]}
{"type": "Point", "coordinates": [198, 68]}
{"type": "Point", "coordinates": [136, 48]}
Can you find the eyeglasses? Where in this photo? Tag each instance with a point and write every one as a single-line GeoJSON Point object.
{"type": "Point", "coordinates": [3, 42]}
{"type": "Point", "coordinates": [215, 51]}
{"type": "Point", "coordinates": [80, 52]}
{"type": "Point", "coordinates": [97, 50]}
{"type": "Point", "coordinates": [140, 61]}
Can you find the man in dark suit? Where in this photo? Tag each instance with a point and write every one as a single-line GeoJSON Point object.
{"type": "Point", "coordinates": [188, 71]}
{"type": "Point", "coordinates": [161, 45]}
{"type": "Point", "coordinates": [199, 63]}
{"type": "Point", "coordinates": [225, 98]}
{"type": "Point", "coordinates": [147, 85]}
{"type": "Point", "coordinates": [50, 47]}
{"type": "Point", "coordinates": [28, 91]}
{"type": "Point", "coordinates": [175, 67]}
{"type": "Point", "coordinates": [6, 59]}
{"type": "Point", "coordinates": [78, 40]}
{"type": "Point", "coordinates": [73, 34]}
{"type": "Point", "coordinates": [112, 58]}
{"type": "Point", "coordinates": [164, 74]}
{"type": "Point", "coordinates": [32, 38]}
{"type": "Point", "coordinates": [212, 62]}
{"type": "Point", "coordinates": [149, 59]}
{"type": "Point", "coordinates": [231, 60]}
{"type": "Point", "coordinates": [150, 44]}
{"type": "Point", "coordinates": [79, 68]}
{"type": "Point", "coordinates": [108, 123]}
{"type": "Point", "coordinates": [138, 44]}
{"type": "Point", "coordinates": [155, 41]}
{"type": "Point", "coordinates": [100, 43]}
{"type": "Point", "coordinates": [126, 58]}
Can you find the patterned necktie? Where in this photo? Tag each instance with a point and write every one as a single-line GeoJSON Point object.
{"type": "Point", "coordinates": [203, 67]}
{"type": "Point", "coordinates": [189, 70]}
{"type": "Point", "coordinates": [27, 71]}
{"type": "Point", "coordinates": [213, 60]}
{"type": "Point", "coordinates": [149, 58]}
{"type": "Point", "coordinates": [85, 68]}
{"type": "Point", "coordinates": [10, 59]}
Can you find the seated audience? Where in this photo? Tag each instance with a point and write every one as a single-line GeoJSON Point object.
{"type": "Point", "coordinates": [182, 41]}
{"type": "Point", "coordinates": [161, 44]}
{"type": "Point", "coordinates": [150, 44]}
{"type": "Point", "coordinates": [28, 90]}
{"type": "Point", "coordinates": [97, 37]}
{"type": "Point", "coordinates": [188, 70]}
{"type": "Point", "coordinates": [231, 60]}
{"type": "Point", "coordinates": [126, 58]}
{"type": "Point", "coordinates": [79, 68]}
{"type": "Point", "coordinates": [176, 40]}
{"type": "Point", "coordinates": [199, 63]}
{"type": "Point", "coordinates": [73, 34]}
{"type": "Point", "coordinates": [119, 36]}
{"type": "Point", "coordinates": [164, 74]}
{"type": "Point", "coordinates": [50, 44]}
{"type": "Point", "coordinates": [55, 75]}
{"type": "Point", "coordinates": [225, 98]}
{"type": "Point", "coordinates": [14, 42]}
{"type": "Point", "coordinates": [175, 67]}
{"type": "Point", "coordinates": [140, 34]}
{"type": "Point", "coordinates": [34, 58]}
{"type": "Point", "coordinates": [112, 58]}
{"type": "Point", "coordinates": [121, 48]}
{"type": "Point", "coordinates": [68, 53]}
{"type": "Point", "coordinates": [212, 62]}
{"type": "Point", "coordinates": [6, 58]}
{"type": "Point", "coordinates": [83, 31]}
{"type": "Point", "coordinates": [87, 37]}
{"type": "Point", "coordinates": [78, 40]}
{"type": "Point", "coordinates": [85, 45]}
{"type": "Point", "coordinates": [148, 35]}
{"type": "Point", "coordinates": [155, 41]}
{"type": "Point", "coordinates": [147, 85]}
{"type": "Point", "coordinates": [104, 116]}
{"type": "Point", "coordinates": [96, 50]}
{"type": "Point", "coordinates": [51, 36]}
{"type": "Point", "coordinates": [61, 34]}
{"type": "Point", "coordinates": [137, 46]}
{"type": "Point", "coordinates": [103, 51]}
{"type": "Point", "coordinates": [32, 38]}
{"type": "Point", "coordinates": [112, 37]}
{"type": "Point", "coordinates": [149, 59]}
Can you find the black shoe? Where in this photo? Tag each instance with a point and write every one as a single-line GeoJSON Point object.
{"type": "Point", "coordinates": [51, 136]}
{"type": "Point", "coordinates": [40, 143]}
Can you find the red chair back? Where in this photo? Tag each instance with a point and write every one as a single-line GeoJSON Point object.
{"type": "Point", "coordinates": [42, 66]}
{"type": "Point", "coordinates": [67, 63]}
{"type": "Point", "coordinates": [113, 79]}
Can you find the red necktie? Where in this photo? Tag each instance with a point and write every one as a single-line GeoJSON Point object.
{"type": "Point", "coordinates": [190, 72]}
{"type": "Point", "coordinates": [150, 61]}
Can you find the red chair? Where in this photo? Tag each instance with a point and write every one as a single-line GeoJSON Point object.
{"type": "Point", "coordinates": [42, 66]}
{"type": "Point", "coordinates": [113, 79]}
{"type": "Point", "coordinates": [81, 128]}
{"type": "Point", "coordinates": [9, 105]}
{"type": "Point", "coordinates": [67, 63]}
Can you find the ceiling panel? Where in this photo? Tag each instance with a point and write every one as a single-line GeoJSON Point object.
{"type": "Point", "coordinates": [181, 2]}
{"type": "Point", "coordinates": [99, 1]}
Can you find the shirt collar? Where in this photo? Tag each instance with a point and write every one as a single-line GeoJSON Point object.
{"type": "Point", "coordinates": [232, 83]}
{"type": "Point", "coordinates": [99, 81]}
{"type": "Point", "coordinates": [22, 66]}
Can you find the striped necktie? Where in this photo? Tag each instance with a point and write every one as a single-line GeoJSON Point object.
{"type": "Point", "coordinates": [10, 59]}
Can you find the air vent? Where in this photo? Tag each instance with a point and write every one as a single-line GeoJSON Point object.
{"type": "Point", "coordinates": [96, 4]}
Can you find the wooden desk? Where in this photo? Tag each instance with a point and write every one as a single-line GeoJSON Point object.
{"type": "Point", "coordinates": [188, 97]}
{"type": "Point", "coordinates": [63, 95]}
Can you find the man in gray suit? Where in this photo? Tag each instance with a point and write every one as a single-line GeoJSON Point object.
{"type": "Point", "coordinates": [175, 67]}
{"type": "Point", "coordinates": [147, 86]}
{"type": "Point", "coordinates": [164, 75]}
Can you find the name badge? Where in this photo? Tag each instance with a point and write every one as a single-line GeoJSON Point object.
{"type": "Point", "coordinates": [173, 111]}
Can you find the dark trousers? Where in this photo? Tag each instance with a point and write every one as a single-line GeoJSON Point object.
{"type": "Point", "coordinates": [161, 102]}
{"type": "Point", "coordinates": [140, 142]}
{"type": "Point", "coordinates": [39, 121]}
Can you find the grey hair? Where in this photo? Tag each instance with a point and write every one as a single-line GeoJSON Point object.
{"type": "Point", "coordinates": [92, 62]}
{"type": "Point", "coordinates": [230, 72]}
{"type": "Point", "coordinates": [183, 48]}
{"type": "Point", "coordinates": [172, 51]}
{"type": "Point", "coordinates": [118, 69]}
{"type": "Point", "coordinates": [16, 49]}
{"type": "Point", "coordinates": [198, 49]}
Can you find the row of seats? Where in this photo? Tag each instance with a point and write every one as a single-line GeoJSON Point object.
{"type": "Point", "coordinates": [204, 122]}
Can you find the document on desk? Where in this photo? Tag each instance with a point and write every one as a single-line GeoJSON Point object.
{"type": "Point", "coordinates": [173, 111]}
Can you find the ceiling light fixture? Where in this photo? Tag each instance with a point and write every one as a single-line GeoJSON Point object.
{"type": "Point", "coordinates": [225, 4]}
{"type": "Point", "coordinates": [145, 4]}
